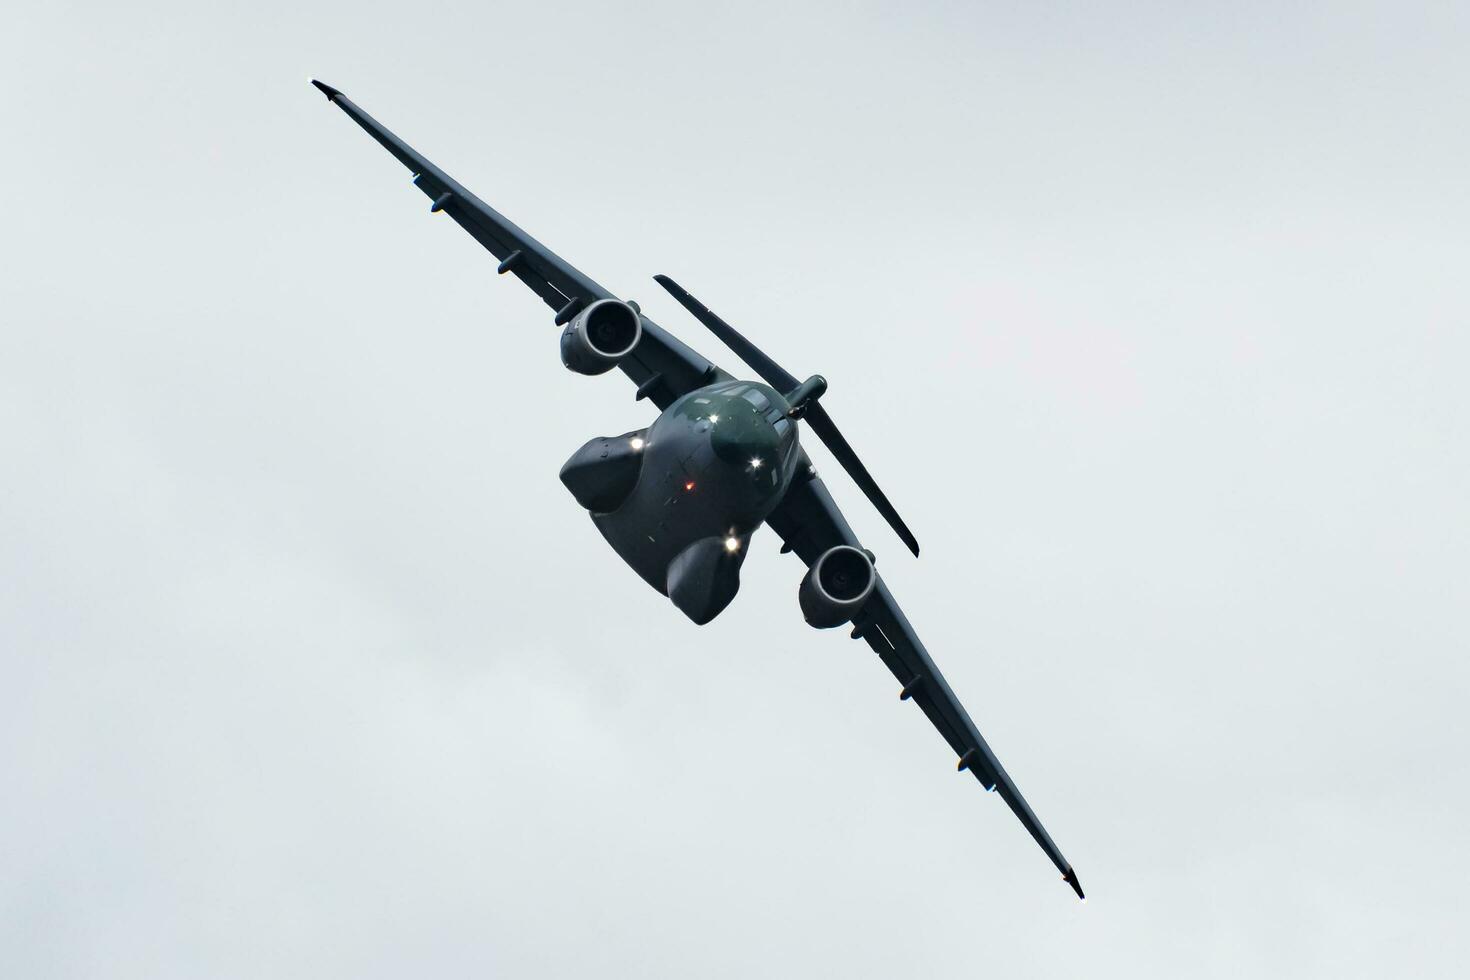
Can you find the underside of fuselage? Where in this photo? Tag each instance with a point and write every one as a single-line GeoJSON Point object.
{"type": "Point", "coordinates": [680, 499]}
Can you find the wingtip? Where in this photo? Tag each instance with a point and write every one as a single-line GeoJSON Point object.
{"type": "Point", "coordinates": [1071, 878]}
{"type": "Point", "coordinates": [326, 90]}
{"type": "Point", "coordinates": [682, 295]}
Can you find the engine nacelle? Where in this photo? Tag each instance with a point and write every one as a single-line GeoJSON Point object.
{"type": "Point", "coordinates": [836, 586]}
{"type": "Point", "coordinates": [600, 336]}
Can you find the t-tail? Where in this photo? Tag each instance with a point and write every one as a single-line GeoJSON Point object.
{"type": "Point", "coordinates": [804, 405]}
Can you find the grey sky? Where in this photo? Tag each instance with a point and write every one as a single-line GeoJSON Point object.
{"type": "Point", "coordinates": [292, 680]}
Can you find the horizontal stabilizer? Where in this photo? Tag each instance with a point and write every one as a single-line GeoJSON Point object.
{"type": "Point", "coordinates": [808, 408]}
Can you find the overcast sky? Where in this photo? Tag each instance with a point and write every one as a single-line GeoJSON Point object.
{"type": "Point", "coordinates": [1151, 320]}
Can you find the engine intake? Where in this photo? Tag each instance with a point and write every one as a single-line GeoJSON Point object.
{"type": "Point", "coordinates": [600, 336]}
{"type": "Point", "coordinates": [836, 586]}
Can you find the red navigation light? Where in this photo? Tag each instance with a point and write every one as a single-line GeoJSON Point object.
{"type": "Point", "coordinates": [689, 485]}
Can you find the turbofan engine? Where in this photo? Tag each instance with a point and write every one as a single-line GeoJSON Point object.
{"type": "Point", "coordinates": [600, 336]}
{"type": "Point", "coordinates": [836, 586]}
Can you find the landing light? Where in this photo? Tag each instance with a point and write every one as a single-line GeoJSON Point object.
{"type": "Point", "coordinates": [732, 543]}
{"type": "Point", "coordinates": [637, 443]}
{"type": "Point", "coordinates": [755, 464]}
{"type": "Point", "coordinates": [713, 419]}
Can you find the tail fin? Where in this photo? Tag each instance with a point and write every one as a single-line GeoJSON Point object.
{"type": "Point", "coordinates": [808, 408]}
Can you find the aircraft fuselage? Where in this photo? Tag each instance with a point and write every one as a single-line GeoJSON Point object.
{"type": "Point", "coordinates": [680, 499]}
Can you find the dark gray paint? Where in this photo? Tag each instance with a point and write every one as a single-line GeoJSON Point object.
{"type": "Point", "coordinates": [805, 517]}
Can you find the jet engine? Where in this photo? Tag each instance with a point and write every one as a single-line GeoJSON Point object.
{"type": "Point", "coordinates": [600, 336]}
{"type": "Point", "coordinates": [836, 586]}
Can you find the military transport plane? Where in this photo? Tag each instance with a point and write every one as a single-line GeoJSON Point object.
{"type": "Point", "coordinates": [679, 500]}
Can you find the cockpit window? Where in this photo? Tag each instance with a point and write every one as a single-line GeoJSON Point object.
{"type": "Point", "coordinates": [757, 398]}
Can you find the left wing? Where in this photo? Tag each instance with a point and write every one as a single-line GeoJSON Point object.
{"type": "Point", "coordinates": [661, 366]}
{"type": "Point", "coordinates": [809, 522]}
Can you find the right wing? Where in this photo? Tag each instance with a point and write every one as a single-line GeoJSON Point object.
{"type": "Point", "coordinates": [663, 367]}
{"type": "Point", "coordinates": [808, 520]}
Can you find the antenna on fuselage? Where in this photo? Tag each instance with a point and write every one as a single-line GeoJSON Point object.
{"type": "Point", "coordinates": [802, 397]}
